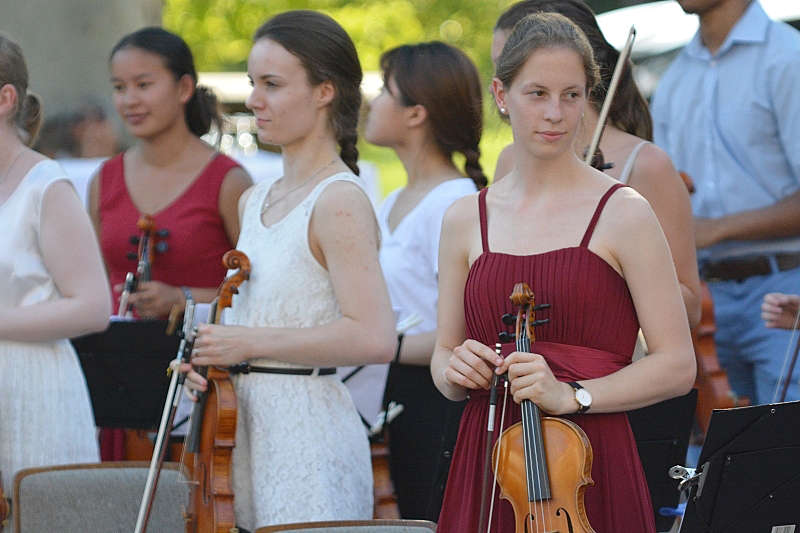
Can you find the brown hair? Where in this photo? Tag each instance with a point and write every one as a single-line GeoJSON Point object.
{"type": "Point", "coordinates": [629, 111]}
{"type": "Point", "coordinates": [328, 54]}
{"type": "Point", "coordinates": [201, 111]}
{"type": "Point", "coordinates": [445, 81]}
{"type": "Point", "coordinates": [27, 116]}
{"type": "Point", "coordinates": [545, 30]}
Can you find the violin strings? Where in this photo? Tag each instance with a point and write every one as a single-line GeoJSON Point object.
{"type": "Point", "coordinates": [786, 356]}
{"type": "Point", "coordinates": [497, 459]}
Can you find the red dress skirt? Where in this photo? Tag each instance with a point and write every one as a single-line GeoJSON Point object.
{"type": "Point", "coordinates": [591, 333]}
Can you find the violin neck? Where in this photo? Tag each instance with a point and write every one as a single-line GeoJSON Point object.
{"type": "Point", "coordinates": [535, 460]}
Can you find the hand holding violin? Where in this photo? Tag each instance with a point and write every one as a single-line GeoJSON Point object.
{"type": "Point", "coordinates": [531, 379]}
{"type": "Point", "coordinates": [471, 365]}
{"type": "Point", "coordinates": [154, 298]}
{"type": "Point", "coordinates": [216, 345]}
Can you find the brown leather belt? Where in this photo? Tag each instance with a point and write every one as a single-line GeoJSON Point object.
{"type": "Point", "coordinates": [741, 268]}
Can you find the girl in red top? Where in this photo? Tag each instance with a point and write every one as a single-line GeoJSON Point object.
{"type": "Point", "coordinates": [189, 189]}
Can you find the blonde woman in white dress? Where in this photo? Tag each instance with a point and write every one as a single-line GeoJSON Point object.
{"type": "Point", "coordinates": [316, 297]}
{"type": "Point", "coordinates": [52, 287]}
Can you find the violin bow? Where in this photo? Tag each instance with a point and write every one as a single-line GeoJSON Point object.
{"type": "Point", "coordinates": [177, 380]}
{"type": "Point", "coordinates": [786, 375]}
{"type": "Point", "coordinates": [612, 89]}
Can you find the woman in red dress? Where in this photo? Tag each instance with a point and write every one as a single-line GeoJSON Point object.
{"type": "Point", "coordinates": [547, 224]}
{"type": "Point", "coordinates": [171, 174]}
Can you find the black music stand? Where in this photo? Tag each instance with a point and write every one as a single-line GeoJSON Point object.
{"type": "Point", "coordinates": [662, 433]}
{"type": "Point", "coordinates": [750, 480]}
{"type": "Point", "coordinates": [125, 367]}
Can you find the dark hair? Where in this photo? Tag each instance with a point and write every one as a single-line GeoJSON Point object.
{"type": "Point", "coordinates": [328, 54]}
{"type": "Point", "coordinates": [445, 81]}
{"type": "Point", "coordinates": [629, 111]}
{"type": "Point", "coordinates": [27, 116]}
{"type": "Point", "coordinates": [545, 30]}
{"type": "Point", "coordinates": [201, 111]}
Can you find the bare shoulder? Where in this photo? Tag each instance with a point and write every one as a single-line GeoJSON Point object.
{"type": "Point", "coordinates": [654, 160]}
{"type": "Point", "coordinates": [629, 208]}
{"type": "Point", "coordinates": [342, 196]}
{"type": "Point", "coordinates": [238, 178]}
{"type": "Point", "coordinates": [462, 213]}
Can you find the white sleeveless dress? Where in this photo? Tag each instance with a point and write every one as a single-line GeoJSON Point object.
{"type": "Point", "coordinates": [301, 452]}
{"type": "Point", "coordinates": [45, 413]}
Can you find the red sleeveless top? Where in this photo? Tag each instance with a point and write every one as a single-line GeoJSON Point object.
{"type": "Point", "coordinates": [591, 333]}
{"type": "Point", "coordinates": [196, 240]}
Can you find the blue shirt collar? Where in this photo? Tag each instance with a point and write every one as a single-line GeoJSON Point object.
{"type": "Point", "coordinates": [750, 28]}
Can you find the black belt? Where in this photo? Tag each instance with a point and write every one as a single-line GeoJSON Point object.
{"type": "Point", "coordinates": [246, 368]}
{"type": "Point", "coordinates": [741, 268]}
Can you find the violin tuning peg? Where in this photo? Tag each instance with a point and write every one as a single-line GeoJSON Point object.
{"type": "Point", "coordinates": [132, 256]}
{"type": "Point", "coordinates": [509, 319]}
{"type": "Point", "coordinates": [506, 337]}
{"type": "Point", "coordinates": [134, 239]}
{"type": "Point", "coordinates": [163, 232]}
{"type": "Point", "coordinates": [161, 247]}
{"type": "Point", "coordinates": [541, 306]}
{"type": "Point", "coordinates": [541, 322]}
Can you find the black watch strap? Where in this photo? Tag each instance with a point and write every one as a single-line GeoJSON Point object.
{"type": "Point", "coordinates": [581, 408]}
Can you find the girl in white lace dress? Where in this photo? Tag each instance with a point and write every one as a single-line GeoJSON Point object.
{"type": "Point", "coordinates": [52, 287]}
{"type": "Point", "coordinates": [316, 297]}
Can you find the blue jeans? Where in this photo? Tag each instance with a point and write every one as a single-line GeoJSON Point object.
{"type": "Point", "coordinates": [752, 354]}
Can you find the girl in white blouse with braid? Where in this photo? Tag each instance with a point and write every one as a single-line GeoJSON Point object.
{"type": "Point", "coordinates": [429, 108]}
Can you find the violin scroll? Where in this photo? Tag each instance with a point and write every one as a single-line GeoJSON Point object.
{"type": "Point", "coordinates": [233, 260]}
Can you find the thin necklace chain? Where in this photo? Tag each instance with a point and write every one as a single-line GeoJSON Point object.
{"type": "Point", "coordinates": [7, 173]}
{"type": "Point", "coordinates": [268, 203]}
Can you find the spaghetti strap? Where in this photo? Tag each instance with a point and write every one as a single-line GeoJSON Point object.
{"type": "Point", "coordinates": [482, 216]}
{"type": "Point", "coordinates": [628, 168]}
{"type": "Point", "coordinates": [600, 205]}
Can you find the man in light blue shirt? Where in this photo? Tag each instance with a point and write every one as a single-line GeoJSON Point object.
{"type": "Point", "coordinates": [727, 111]}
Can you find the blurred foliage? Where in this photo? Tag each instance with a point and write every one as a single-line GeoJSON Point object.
{"type": "Point", "coordinates": [220, 32]}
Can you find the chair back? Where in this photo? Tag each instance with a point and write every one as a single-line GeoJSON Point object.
{"type": "Point", "coordinates": [97, 497]}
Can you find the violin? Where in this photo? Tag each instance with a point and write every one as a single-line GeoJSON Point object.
{"type": "Point", "coordinates": [713, 389]}
{"type": "Point", "coordinates": [212, 435]}
{"type": "Point", "coordinates": [148, 243]}
{"type": "Point", "coordinates": [542, 464]}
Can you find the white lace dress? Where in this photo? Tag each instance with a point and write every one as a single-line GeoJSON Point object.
{"type": "Point", "coordinates": [301, 450]}
{"type": "Point", "coordinates": [45, 413]}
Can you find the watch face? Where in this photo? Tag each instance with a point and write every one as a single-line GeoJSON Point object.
{"type": "Point", "coordinates": [584, 397]}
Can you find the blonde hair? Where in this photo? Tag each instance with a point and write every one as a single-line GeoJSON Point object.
{"type": "Point", "coordinates": [27, 116]}
{"type": "Point", "coordinates": [545, 30]}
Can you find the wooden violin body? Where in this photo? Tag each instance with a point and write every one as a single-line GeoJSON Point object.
{"type": "Point", "coordinates": [212, 436]}
{"type": "Point", "coordinates": [569, 463]}
{"type": "Point", "coordinates": [211, 497]}
{"type": "Point", "coordinates": [542, 464]}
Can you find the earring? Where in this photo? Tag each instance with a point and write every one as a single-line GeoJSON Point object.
{"type": "Point", "coordinates": [503, 110]}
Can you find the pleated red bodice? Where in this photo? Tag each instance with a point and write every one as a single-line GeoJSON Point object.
{"type": "Point", "coordinates": [591, 333]}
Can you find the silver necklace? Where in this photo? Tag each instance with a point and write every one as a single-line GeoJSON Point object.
{"type": "Point", "coordinates": [268, 202]}
{"type": "Point", "coordinates": [7, 173]}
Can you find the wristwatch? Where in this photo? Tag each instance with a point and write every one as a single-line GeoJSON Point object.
{"type": "Point", "coordinates": [582, 396]}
